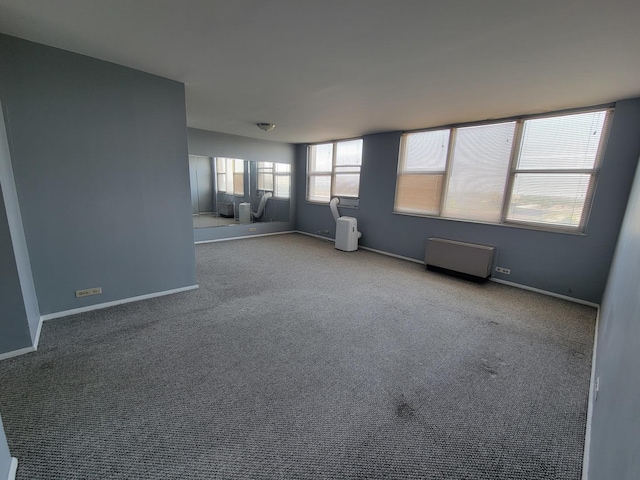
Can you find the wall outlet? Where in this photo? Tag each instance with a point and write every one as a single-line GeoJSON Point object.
{"type": "Point", "coordinates": [88, 291]}
{"type": "Point", "coordinates": [252, 229]}
{"type": "Point", "coordinates": [506, 271]}
{"type": "Point", "coordinates": [597, 389]}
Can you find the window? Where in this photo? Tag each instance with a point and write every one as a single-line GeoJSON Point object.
{"type": "Point", "coordinates": [230, 176]}
{"type": "Point", "coordinates": [537, 171]}
{"type": "Point", "coordinates": [265, 176]}
{"type": "Point", "coordinates": [333, 169]}
{"type": "Point", "coordinates": [274, 177]}
{"type": "Point", "coordinates": [282, 180]}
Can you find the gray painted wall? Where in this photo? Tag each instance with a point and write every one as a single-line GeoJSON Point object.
{"type": "Point", "coordinates": [99, 157]}
{"type": "Point", "coordinates": [214, 144]}
{"type": "Point", "coordinates": [14, 327]}
{"type": "Point", "coordinates": [615, 430]}
{"type": "Point", "coordinates": [5, 456]}
{"type": "Point", "coordinates": [572, 265]}
{"type": "Point", "coordinates": [23, 265]}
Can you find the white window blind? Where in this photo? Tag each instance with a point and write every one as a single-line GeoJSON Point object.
{"type": "Point", "coordinates": [556, 169]}
{"type": "Point", "coordinates": [423, 160]}
{"type": "Point", "coordinates": [478, 173]}
{"type": "Point", "coordinates": [475, 173]}
{"type": "Point", "coordinates": [265, 176]}
{"type": "Point", "coordinates": [333, 169]}
{"type": "Point", "coordinates": [282, 180]}
{"type": "Point", "coordinates": [230, 176]}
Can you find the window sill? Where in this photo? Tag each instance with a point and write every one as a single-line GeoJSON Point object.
{"type": "Point", "coordinates": [524, 226]}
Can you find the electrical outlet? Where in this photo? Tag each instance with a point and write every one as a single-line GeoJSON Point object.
{"type": "Point", "coordinates": [506, 271]}
{"type": "Point", "coordinates": [88, 291]}
{"type": "Point", "coordinates": [597, 388]}
{"type": "Point", "coordinates": [252, 229]}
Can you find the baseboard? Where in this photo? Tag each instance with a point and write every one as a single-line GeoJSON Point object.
{"type": "Point", "coordinates": [496, 280]}
{"type": "Point", "coordinates": [36, 339]}
{"type": "Point", "coordinates": [13, 468]}
{"type": "Point", "coordinates": [199, 242]}
{"type": "Point", "coordinates": [99, 306]}
{"type": "Point", "coordinates": [15, 353]}
{"type": "Point", "coordinates": [401, 257]}
{"type": "Point", "coordinates": [545, 292]}
{"type": "Point", "coordinates": [590, 405]}
{"type": "Point", "coordinates": [315, 236]}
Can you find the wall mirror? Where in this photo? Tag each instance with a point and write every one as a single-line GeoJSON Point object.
{"type": "Point", "coordinates": [230, 191]}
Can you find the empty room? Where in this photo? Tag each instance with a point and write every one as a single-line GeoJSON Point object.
{"type": "Point", "coordinates": [319, 240]}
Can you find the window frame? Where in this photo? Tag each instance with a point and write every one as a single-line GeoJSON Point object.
{"type": "Point", "coordinates": [513, 170]}
{"type": "Point", "coordinates": [229, 174]}
{"type": "Point", "coordinates": [274, 173]}
{"type": "Point", "coordinates": [333, 173]}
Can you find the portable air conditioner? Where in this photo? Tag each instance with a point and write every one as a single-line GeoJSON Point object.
{"type": "Point", "coordinates": [347, 234]}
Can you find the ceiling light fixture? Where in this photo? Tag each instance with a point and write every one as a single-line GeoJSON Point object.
{"type": "Point", "coordinates": [267, 127]}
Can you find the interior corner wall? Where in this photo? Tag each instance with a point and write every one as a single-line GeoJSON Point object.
{"type": "Point", "coordinates": [99, 154]}
{"type": "Point", "coordinates": [215, 144]}
{"type": "Point", "coordinates": [5, 456]}
{"type": "Point", "coordinates": [14, 326]}
{"type": "Point", "coordinates": [615, 423]}
{"type": "Point", "coordinates": [573, 265]}
{"type": "Point", "coordinates": [16, 237]}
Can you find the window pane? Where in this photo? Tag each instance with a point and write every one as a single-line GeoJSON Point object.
{"type": "Point", "coordinates": [282, 186]}
{"type": "Point", "coordinates": [222, 183]}
{"type": "Point", "coordinates": [321, 158]}
{"type": "Point", "coordinates": [238, 184]}
{"type": "Point", "coordinates": [349, 153]}
{"type": "Point", "coordinates": [283, 168]}
{"type": "Point", "coordinates": [566, 142]}
{"type": "Point", "coordinates": [265, 181]}
{"type": "Point", "coordinates": [555, 199]}
{"type": "Point", "coordinates": [347, 185]}
{"type": "Point", "coordinates": [419, 193]}
{"type": "Point", "coordinates": [319, 188]}
{"type": "Point", "coordinates": [478, 172]}
{"type": "Point", "coordinates": [425, 151]}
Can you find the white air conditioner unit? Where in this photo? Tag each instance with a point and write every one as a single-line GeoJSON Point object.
{"type": "Point", "coordinates": [347, 234]}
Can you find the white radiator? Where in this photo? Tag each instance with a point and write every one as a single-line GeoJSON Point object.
{"type": "Point", "coordinates": [468, 258]}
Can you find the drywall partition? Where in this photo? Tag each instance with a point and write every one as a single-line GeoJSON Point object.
{"type": "Point", "coordinates": [99, 155]}
{"type": "Point", "coordinates": [615, 424]}
{"type": "Point", "coordinates": [14, 326]}
{"type": "Point", "coordinates": [566, 264]}
{"type": "Point", "coordinates": [215, 144]}
{"type": "Point", "coordinates": [20, 252]}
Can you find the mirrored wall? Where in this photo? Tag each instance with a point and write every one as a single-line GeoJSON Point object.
{"type": "Point", "coordinates": [226, 192]}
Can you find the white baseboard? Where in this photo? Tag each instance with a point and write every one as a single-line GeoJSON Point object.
{"type": "Point", "coordinates": [315, 236]}
{"type": "Point", "coordinates": [36, 339]}
{"type": "Point", "coordinates": [15, 353]}
{"type": "Point", "coordinates": [545, 292]}
{"type": "Point", "coordinates": [13, 468]}
{"type": "Point", "coordinates": [199, 242]}
{"type": "Point", "coordinates": [401, 257]}
{"type": "Point", "coordinates": [99, 306]}
{"type": "Point", "coordinates": [590, 405]}
{"type": "Point", "coordinates": [497, 280]}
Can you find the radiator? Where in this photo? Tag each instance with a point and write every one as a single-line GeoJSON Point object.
{"type": "Point", "coordinates": [467, 258]}
{"type": "Point", "coordinates": [225, 209]}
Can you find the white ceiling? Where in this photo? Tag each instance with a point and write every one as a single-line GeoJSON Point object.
{"type": "Point", "coordinates": [328, 69]}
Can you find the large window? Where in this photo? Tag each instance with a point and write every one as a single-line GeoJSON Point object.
{"type": "Point", "coordinates": [538, 171]}
{"type": "Point", "coordinates": [333, 170]}
{"type": "Point", "coordinates": [275, 178]}
{"type": "Point", "coordinates": [230, 176]}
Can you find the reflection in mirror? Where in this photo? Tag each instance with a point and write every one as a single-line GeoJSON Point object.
{"type": "Point", "coordinates": [231, 191]}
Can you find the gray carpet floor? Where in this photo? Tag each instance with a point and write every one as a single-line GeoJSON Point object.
{"type": "Point", "coordinates": [297, 361]}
